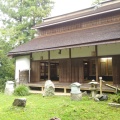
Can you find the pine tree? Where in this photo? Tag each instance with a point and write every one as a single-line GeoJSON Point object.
{"type": "Point", "coordinates": [19, 16]}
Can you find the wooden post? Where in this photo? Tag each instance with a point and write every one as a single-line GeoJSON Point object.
{"type": "Point", "coordinates": [101, 81]}
{"type": "Point", "coordinates": [96, 62]}
{"type": "Point", "coordinates": [70, 53]}
{"type": "Point", "coordinates": [48, 65]}
{"type": "Point", "coordinates": [81, 71]}
{"type": "Point", "coordinates": [100, 86]}
{"type": "Point", "coordinates": [70, 65]}
{"type": "Point", "coordinates": [30, 67]}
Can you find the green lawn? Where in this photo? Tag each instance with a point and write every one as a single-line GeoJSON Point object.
{"type": "Point", "coordinates": [44, 108]}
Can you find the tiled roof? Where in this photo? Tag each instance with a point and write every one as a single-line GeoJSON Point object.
{"type": "Point", "coordinates": [94, 35]}
{"type": "Point", "coordinates": [79, 15]}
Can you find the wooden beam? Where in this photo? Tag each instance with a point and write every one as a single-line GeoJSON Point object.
{"type": "Point", "coordinates": [96, 61]}
{"type": "Point", "coordinates": [116, 88]}
{"type": "Point", "coordinates": [48, 65]}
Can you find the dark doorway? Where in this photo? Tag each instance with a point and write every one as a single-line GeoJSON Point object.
{"type": "Point", "coordinates": [104, 69]}
{"type": "Point", "coordinates": [89, 69]}
{"type": "Point", "coordinates": [86, 69]}
{"type": "Point", "coordinates": [54, 70]}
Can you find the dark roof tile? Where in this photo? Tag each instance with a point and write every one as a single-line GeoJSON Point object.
{"type": "Point", "coordinates": [79, 37]}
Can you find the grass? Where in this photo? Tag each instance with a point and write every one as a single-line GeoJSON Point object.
{"type": "Point", "coordinates": [44, 108]}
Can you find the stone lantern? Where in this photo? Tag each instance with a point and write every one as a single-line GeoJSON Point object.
{"type": "Point", "coordinates": [75, 91]}
{"type": "Point", "coordinates": [9, 88]}
{"type": "Point", "coordinates": [93, 87]}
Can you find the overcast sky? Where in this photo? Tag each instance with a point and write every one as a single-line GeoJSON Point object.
{"type": "Point", "coordinates": [66, 6]}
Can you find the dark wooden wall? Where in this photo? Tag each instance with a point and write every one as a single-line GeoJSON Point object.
{"type": "Point", "coordinates": [65, 70]}
{"type": "Point", "coordinates": [116, 69]}
{"type": "Point", "coordinates": [77, 70]}
{"type": "Point", "coordinates": [35, 71]}
{"type": "Point", "coordinates": [71, 70]}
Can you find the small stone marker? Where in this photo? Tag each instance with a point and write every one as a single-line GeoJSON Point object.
{"type": "Point", "coordinates": [49, 88]}
{"type": "Point", "coordinates": [9, 88]}
{"type": "Point", "coordinates": [20, 102]}
{"type": "Point", "coordinates": [76, 94]}
{"type": "Point", "coordinates": [55, 118]}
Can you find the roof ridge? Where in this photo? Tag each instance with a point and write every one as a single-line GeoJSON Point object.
{"type": "Point", "coordinates": [78, 15]}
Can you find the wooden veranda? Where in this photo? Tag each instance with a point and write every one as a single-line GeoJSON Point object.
{"type": "Point", "coordinates": [64, 88]}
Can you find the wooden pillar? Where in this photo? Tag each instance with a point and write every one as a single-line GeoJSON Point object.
{"type": "Point", "coordinates": [100, 87]}
{"type": "Point", "coordinates": [48, 65]}
{"type": "Point", "coordinates": [96, 62]}
{"type": "Point", "coordinates": [81, 71]}
{"type": "Point", "coordinates": [70, 53]}
{"type": "Point", "coordinates": [70, 65]}
{"type": "Point", "coordinates": [30, 67]}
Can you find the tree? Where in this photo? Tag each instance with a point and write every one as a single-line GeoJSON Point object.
{"type": "Point", "coordinates": [6, 64]}
{"type": "Point", "coordinates": [19, 16]}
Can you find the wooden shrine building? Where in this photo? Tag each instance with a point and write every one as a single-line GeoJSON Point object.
{"type": "Point", "coordinates": [74, 47]}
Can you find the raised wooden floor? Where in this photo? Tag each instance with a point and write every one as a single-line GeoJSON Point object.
{"type": "Point", "coordinates": [64, 88]}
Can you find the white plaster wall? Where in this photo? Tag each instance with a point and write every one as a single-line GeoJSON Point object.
{"type": "Point", "coordinates": [109, 49]}
{"type": "Point", "coordinates": [38, 55]}
{"type": "Point", "coordinates": [82, 51]}
{"type": "Point", "coordinates": [54, 54]}
{"type": "Point", "coordinates": [22, 63]}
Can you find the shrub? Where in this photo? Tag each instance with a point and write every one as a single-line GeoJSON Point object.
{"type": "Point", "coordinates": [21, 90]}
{"type": "Point", "coordinates": [3, 82]}
{"type": "Point", "coordinates": [116, 98]}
